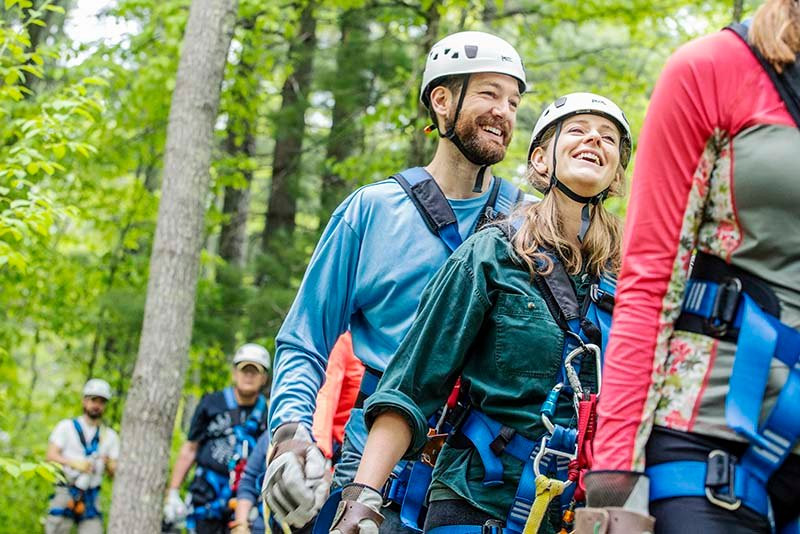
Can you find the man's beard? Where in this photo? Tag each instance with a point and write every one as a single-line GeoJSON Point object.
{"type": "Point", "coordinates": [477, 151]}
{"type": "Point", "coordinates": [93, 415]}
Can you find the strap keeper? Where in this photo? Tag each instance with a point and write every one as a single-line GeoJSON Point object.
{"type": "Point", "coordinates": [726, 302]}
{"type": "Point", "coordinates": [721, 474]}
{"type": "Point", "coordinates": [492, 526]}
{"type": "Point", "coordinates": [499, 443]}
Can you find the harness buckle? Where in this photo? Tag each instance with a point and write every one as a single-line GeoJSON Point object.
{"type": "Point", "coordinates": [723, 312]}
{"type": "Point", "coordinates": [721, 474]}
{"type": "Point", "coordinates": [492, 526]}
{"type": "Point", "coordinates": [386, 491]}
{"type": "Point", "coordinates": [502, 440]}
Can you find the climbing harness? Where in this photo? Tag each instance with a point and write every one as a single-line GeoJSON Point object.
{"type": "Point", "coordinates": [82, 504]}
{"type": "Point", "coordinates": [437, 213]}
{"type": "Point", "coordinates": [224, 486]}
{"type": "Point", "coordinates": [554, 465]}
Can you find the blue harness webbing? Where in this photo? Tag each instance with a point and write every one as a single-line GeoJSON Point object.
{"type": "Point", "coordinates": [436, 211]}
{"type": "Point", "coordinates": [88, 496]}
{"type": "Point", "coordinates": [552, 454]}
{"type": "Point", "coordinates": [216, 508]}
{"type": "Point", "coordinates": [761, 338]}
{"type": "Point", "coordinates": [409, 486]}
{"type": "Point", "coordinates": [246, 432]}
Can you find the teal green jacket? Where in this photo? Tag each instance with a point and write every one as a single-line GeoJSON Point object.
{"type": "Point", "coordinates": [480, 318]}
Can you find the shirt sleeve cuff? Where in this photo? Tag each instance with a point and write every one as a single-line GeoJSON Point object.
{"type": "Point", "coordinates": [401, 403]}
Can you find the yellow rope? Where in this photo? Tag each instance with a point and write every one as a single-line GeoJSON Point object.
{"type": "Point", "coordinates": [547, 489]}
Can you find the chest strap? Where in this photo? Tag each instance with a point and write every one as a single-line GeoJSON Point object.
{"type": "Point", "coordinates": [91, 447]}
{"type": "Point", "coordinates": [436, 211]}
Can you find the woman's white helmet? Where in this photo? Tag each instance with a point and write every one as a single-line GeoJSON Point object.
{"type": "Point", "coordinates": [96, 387]}
{"type": "Point", "coordinates": [577, 104]}
{"type": "Point", "coordinates": [470, 53]}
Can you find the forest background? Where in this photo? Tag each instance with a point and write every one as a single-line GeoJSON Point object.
{"type": "Point", "coordinates": [318, 98]}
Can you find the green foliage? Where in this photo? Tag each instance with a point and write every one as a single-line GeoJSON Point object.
{"type": "Point", "coordinates": [82, 134]}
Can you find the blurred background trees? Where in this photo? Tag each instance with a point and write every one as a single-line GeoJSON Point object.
{"type": "Point", "coordinates": [318, 98]}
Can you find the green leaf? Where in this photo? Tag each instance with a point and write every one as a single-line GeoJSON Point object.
{"type": "Point", "coordinates": [55, 9]}
{"type": "Point", "coordinates": [32, 167]}
{"type": "Point", "coordinates": [94, 80]}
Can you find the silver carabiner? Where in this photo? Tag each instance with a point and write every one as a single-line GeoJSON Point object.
{"type": "Point", "coordinates": [543, 449]}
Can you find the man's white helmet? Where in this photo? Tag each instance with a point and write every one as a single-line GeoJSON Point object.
{"type": "Point", "coordinates": [469, 53]}
{"type": "Point", "coordinates": [96, 387]}
{"type": "Point", "coordinates": [253, 353]}
{"type": "Point", "coordinates": [577, 104]}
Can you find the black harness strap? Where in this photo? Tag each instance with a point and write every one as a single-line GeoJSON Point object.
{"type": "Point", "coordinates": [786, 83]}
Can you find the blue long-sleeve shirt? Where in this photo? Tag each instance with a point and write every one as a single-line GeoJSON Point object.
{"type": "Point", "coordinates": [368, 271]}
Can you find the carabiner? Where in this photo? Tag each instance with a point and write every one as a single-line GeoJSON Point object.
{"type": "Point", "coordinates": [543, 449]}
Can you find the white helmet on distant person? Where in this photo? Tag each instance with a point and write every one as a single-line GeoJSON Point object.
{"type": "Point", "coordinates": [470, 53]}
{"type": "Point", "coordinates": [253, 353]}
{"type": "Point", "coordinates": [96, 387]}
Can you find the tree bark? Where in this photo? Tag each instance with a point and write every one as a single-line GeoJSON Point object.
{"type": "Point", "coordinates": [738, 6]}
{"type": "Point", "coordinates": [236, 205]}
{"type": "Point", "coordinates": [351, 98]}
{"type": "Point", "coordinates": [420, 152]}
{"type": "Point", "coordinates": [161, 363]}
{"type": "Point", "coordinates": [290, 128]}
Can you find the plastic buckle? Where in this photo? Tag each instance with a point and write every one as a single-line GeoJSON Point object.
{"type": "Point", "coordinates": [492, 526]}
{"type": "Point", "coordinates": [723, 312]}
{"type": "Point", "coordinates": [499, 443]}
{"type": "Point", "coordinates": [720, 474]}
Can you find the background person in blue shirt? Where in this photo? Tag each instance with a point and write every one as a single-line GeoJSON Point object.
{"type": "Point", "coordinates": [376, 256]}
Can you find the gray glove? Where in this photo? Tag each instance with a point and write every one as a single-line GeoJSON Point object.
{"type": "Point", "coordinates": [298, 478]}
{"type": "Point", "coordinates": [359, 511]}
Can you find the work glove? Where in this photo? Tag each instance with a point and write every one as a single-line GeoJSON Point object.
{"type": "Point", "coordinates": [240, 528]}
{"type": "Point", "coordinates": [616, 503]}
{"type": "Point", "coordinates": [80, 464]}
{"type": "Point", "coordinates": [297, 480]}
{"type": "Point", "coordinates": [175, 509]}
{"type": "Point", "coordinates": [359, 511]}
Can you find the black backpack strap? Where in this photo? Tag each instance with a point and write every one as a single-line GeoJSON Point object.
{"type": "Point", "coordinates": [431, 204]}
{"type": "Point", "coordinates": [787, 83]}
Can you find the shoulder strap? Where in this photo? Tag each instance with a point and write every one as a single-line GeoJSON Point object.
{"type": "Point", "coordinates": [508, 196]}
{"type": "Point", "coordinates": [559, 295]}
{"type": "Point", "coordinates": [230, 398]}
{"type": "Point", "coordinates": [431, 204]}
{"type": "Point", "coordinates": [88, 449]}
{"type": "Point", "coordinates": [787, 83]}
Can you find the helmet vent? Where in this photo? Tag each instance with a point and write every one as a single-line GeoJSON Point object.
{"type": "Point", "coordinates": [471, 51]}
{"type": "Point", "coordinates": [560, 102]}
{"type": "Point", "coordinates": [455, 55]}
{"type": "Point", "coordinates": [435, 57]}
{"type": "Point", "coordinates": [446, 51]}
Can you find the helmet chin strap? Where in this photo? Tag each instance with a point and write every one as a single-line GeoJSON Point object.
{"type": "Point", "coordinates": [586, 215]}
{"type": "Point", "coordinates": [451, 135]}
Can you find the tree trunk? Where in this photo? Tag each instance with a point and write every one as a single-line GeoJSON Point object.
{"type": "Point", "coordinates": [351, 95]}
{"type": "Point", "coordinates": [420, 152]}
{"type": "Point", "coordinates": [290, 128]}
{"type": "Point", "coordinates": [236, 206]}
{"type": "Point", "coordinates": [737, 10]}
{"type": "Point", "coordinates": [161, 364]}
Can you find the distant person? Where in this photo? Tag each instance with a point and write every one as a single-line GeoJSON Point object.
{"type": "Point", "coordinates": [224, 430]}
{"type": "Point", "coordinates": [86, 449]}
{"type": "Point", "coordinates": [334, 402]}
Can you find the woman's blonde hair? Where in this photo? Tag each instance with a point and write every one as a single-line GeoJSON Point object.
{"type": "Point", "coordinates": [543, 228]}
{"type": "Point", "coordinates": [775, 32]}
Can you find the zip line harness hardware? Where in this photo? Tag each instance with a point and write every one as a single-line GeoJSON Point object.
{"type": "Point", "coordinates": [554, 465]}
{"type": "Point", "coordinates": [224, 486]}
{"type": "Point", "coordinates": [731, 304]}
{"type": "Point", "coordinates": [82, 502]}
